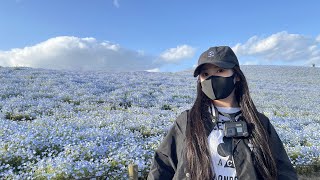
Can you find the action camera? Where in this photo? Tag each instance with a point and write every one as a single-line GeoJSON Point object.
{"type": "Point", "coordinates": [236, 129]}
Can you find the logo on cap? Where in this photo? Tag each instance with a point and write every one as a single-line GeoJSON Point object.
{"type": "Point", "coordinates": [210, 54]}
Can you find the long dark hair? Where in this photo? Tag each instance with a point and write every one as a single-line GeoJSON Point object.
{"type": "Point", "coordinates": [199, 125]}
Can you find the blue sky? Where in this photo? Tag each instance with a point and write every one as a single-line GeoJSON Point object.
{"type": "Point", "coordinates": [155, 35]}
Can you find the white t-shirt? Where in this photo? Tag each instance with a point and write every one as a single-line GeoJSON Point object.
{"type": "Point", "coordinates": [221, 148]}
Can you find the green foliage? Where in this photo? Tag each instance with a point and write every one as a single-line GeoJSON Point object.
{"type": "Point", "coordinates": [100, 101]}
{"type": "Point", "coordinates": [166, 107]}
{"type": "Point", "coordinates": [67, 99]}
{"type": "Point", "coordinates": [294, 156]}
{"type": "Point", "coordinates": [181, 97]}
{"type": "Point", "coordinates": [305, 142]}
{"type": "Point", "coordinates": [61, 176]}
{"type": "Point", "coordinates": [113, 107]}
{"type": "Point", "coordinates": [279, 114]}
{"type": "Point", "coordinates": [18, 68]}
{"type": "Point", "coordinates": [145, 132]}
{"type": "Point", "coordinates": [310, 170]}
{"type": "Point", "coordinates": [125, 104]}
{"type": "Point", "coordinates": [14, 161]}
{"type": "Point", "coordinates": [18, 117]}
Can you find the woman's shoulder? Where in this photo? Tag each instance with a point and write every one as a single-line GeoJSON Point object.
{"type": "Point", "coordinates": [265, 121]}
{"type": "Point", "coordinates": [181, 121]}
{"type": "Point", "coordinates": [182, 117]}
{"type": "Point", "coordinates": [263, 117]}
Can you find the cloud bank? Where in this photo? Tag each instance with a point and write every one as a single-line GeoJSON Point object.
{"type": "Point", "coordinates": [280, 48]}
{"type": "Point", "coordinates": [175, 55]}
{"type": "Point", "coordinates": [68, 52]}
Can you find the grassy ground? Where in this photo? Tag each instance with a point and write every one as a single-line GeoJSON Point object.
{"type": "Point", "coordinates": [314, 176]}
{"type": "Point", "coordinates": [309, 172]}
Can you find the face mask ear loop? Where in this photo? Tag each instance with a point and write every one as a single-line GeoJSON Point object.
{"type": "Point", "coordinates": [234, 75]}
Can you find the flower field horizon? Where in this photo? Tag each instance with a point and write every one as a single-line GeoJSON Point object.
{"type": "Point", "coordinates": [57, 124]}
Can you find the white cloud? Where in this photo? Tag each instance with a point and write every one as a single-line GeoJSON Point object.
{"type": "Point", "coordinates": [153, 70]}
{"type": "Point", "coordinates": [116, 3]}
{"type": "Point", "coordinates": [281, 47]}
{"type": "Point", "coordinates": [318, 39]}
{"type": "Point", "coordinates": [250, 63]}
{"type": "Point", "coordinates": [175, 55]}
{"type": "Point", "coordinates": [67, 52]}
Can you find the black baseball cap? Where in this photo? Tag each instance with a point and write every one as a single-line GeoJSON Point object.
{"type": "Point", "coordinates": [221, 56]}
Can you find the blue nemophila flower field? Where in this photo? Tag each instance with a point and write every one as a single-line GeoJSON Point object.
{"type": "Point", "coordinates": [70, 125]}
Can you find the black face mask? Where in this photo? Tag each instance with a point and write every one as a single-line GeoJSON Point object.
{"type": "Point", "coordinates": [217, 87]}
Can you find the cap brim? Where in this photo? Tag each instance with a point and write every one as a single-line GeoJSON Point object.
{"type": "Point", "coordinates": [226, 65]}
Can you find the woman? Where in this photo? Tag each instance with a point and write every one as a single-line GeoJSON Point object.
{"type": "Point", "coordinates": [222, 136]}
